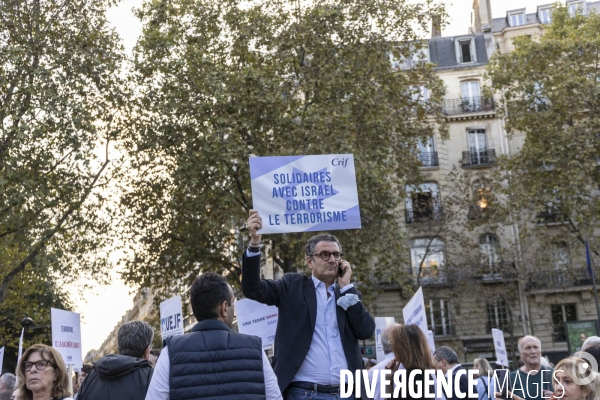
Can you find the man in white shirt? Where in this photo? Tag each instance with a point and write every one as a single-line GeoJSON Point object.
{"type": "Point", "coordinates": [211, 360]}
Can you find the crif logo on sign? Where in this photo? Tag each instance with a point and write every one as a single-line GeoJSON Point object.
{"type": "Point", "coordinates": [305, 193]}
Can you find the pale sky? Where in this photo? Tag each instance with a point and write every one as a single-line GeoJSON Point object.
{"type": "Point", "coordinates": [103, 307]}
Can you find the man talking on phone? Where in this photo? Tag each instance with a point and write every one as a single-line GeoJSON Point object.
{"type": "Point", "coordinates": [321, 318]}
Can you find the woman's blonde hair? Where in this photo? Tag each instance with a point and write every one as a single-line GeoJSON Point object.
{"type": "Point", "coordinates": [581, 373]}
{"type": "Point", "coordinates": [410, 347]}
{"type": "Point", "coordinates": [60, 387]}
{"type": "Point", "coordinates": [483, 366]}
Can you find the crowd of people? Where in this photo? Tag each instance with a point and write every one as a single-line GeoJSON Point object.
{"type": "Point", "coordinates": [321, 321]}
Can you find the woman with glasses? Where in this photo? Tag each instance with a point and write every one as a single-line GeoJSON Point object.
{"type": "Point", "coordinates": [42, 375]}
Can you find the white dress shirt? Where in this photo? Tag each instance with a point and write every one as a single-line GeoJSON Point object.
{"type": "Point", "coordinates": [159, 388]}
{"type": "Point", "coordinates": [325, 358]}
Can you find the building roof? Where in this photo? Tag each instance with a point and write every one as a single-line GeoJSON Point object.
{"type": "Point", "coordinates": [442, 51]}
{"type": "Point", "coordinates": [499, 24]}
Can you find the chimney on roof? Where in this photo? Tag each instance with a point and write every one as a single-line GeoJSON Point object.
{"type": "Point", "coordinates": [482, 13]}
{"type": "Point", "coordinates": [436, 26]}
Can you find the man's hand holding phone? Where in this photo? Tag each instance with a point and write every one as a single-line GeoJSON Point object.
{"type": "Point", "coordinates": [344, 273]}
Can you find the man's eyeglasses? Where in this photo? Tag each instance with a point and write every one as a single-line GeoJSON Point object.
{"type": "Point", "coordinates": [39, 365]}
{"type": "Point", "coordinates": [326, 254]}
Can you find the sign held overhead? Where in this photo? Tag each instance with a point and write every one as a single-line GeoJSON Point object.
{"type": "Point", "coordinates": [305, 193]}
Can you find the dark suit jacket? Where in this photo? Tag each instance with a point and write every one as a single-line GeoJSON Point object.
{"type": "Point", "coordinates": [296, 298]}
{"type": "Point", "coordinates": [463, 385]}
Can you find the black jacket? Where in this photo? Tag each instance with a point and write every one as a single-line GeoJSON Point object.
{"type": "Point", "coordinates": [463, 385]}
{"type": "Point", "coordinates": [117, 377]}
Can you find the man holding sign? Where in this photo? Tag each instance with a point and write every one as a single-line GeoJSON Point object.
{"type": "Point", "coordinates": [321, 318]}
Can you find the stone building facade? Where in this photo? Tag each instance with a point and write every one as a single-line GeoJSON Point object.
{"type": "Point", "coordinates": [462, 316]}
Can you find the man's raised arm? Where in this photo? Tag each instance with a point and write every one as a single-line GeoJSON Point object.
{"type": "Point", "coordinates": [261, 290]}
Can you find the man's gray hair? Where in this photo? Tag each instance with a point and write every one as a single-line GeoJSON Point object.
{"type": "Point", "coordinates": [520, 347]}
{"type": "Point", "coordinates": [9, 380]}
{"type": "Point", "coordinates": [591, 341]}
{"type": "Point", "coordinates": [385, 338]}
{"type": "Point", "coordinates": [133, 338]}
{"type": "Point", "coordinates": [311, 245]}
{"type": "Point", "coordinates": [446, 353]}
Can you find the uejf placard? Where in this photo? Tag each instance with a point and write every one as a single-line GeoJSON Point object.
{"type": "Point", "coordinates": [66, 336]}
{"type": "Point", "coordinates": [305, 193]}
{"type": "Point", "coordinates": [171, 317]}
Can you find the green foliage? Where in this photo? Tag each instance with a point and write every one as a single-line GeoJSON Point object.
{"type": "Point", "coordinates": [551, 90]}
{"type": "Point", "coordinates": [60, 94]}
{"type": "Point", "coordinates": [33, 293]}
{"type": "Point", "coordinates": [220, 81]}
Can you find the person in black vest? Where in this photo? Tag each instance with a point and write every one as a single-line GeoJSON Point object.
{"type": "Point", "coordinates": [212, 361]}
{"type": "Point", "coordinates": [321, 317]}
{"type": "Point", "coordinates": [125, 375]}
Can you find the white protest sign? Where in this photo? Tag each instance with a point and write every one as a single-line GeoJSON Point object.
{"type": "Point", "coordinates": [414, 312]}
{"type": "Point", "coordinates": [501, 354]}
{"type": "Point", "coordinates": [305, 193]}
{"type": "Point", "coordinates": [20, 353]}
{"type": "Point", "coordinates": [171, 317]}
{"type": "Point", "coordinates": [1, 358]}
{"type": "Point", "coordinates": [380, 324]}
{"type": "Point", "coordinates": [257, 319]}
{"type": "Point", "coordinates": [66, 336]}
{"type": "Point", "coordinates": [430, 341]}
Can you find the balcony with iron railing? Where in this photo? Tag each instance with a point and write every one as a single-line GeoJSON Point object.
{"type": "Point", "coordinates": [567, 277]}
{"type": "Point", "coordinates": [468, 105]}
{"type": "Point", "coordinates": [429, 275]}
{"type": "Point", "coordinates": [429, 159]}
{"type": "Point", "coordinates": [551, 216]}
{"type": "Point", "coordinates": [425, 214]}
{"type": "Point", "coordinates": [487, 272]}
{"type": "Point", "coordinates": [479, 158]}
{"type": "Point", "coordinates": [493, 271]}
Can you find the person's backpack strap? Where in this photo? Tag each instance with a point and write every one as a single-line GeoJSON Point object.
{"type": "Point", "coordinates": [486, 390]}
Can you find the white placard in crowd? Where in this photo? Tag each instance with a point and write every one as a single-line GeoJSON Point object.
{"type": "Point", "coordinates": [1, 358]}
{"type": "Point", "coordinates": [20, 353]}
{"type": "Point", "coordinates": [171, 317]}
{"type": "Point", "coordinates": [66, 336]}
{"type": "Point", "coordinates": [500, 346]}
{"type": "Point", "coordinates": [305, 193]}
{"type": "Point", "coordinates": [380, 324]}
{"type": "Point", "coordinates": [431, 341]}
{"type": "Point", "coordinates": [257, 319]}
{"type": "Point", "coordinates": [414, 312]}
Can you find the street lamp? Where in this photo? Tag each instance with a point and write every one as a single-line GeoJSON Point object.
{"type": "Point", "coordinates": [28, 325]}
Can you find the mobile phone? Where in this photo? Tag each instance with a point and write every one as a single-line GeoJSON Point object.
{"type": "Point", "coordinates": [340, 270]}
{"type": "Point", "coordinates": [503, 381]}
